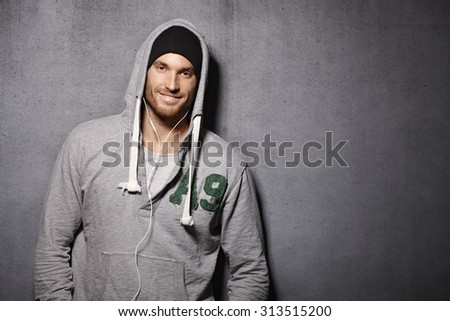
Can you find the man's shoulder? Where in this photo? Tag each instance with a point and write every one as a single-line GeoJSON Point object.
{"type": "Point", "coordinates": [209, 136]}
{"type": "Point", "coordinates": [96, 128]}
{"type": "Point", "coordinates": [93, 134]}
{"type": "Point", "coordinates": [217, 150]}
{"type": "Point", "coordinates": [99, 125]}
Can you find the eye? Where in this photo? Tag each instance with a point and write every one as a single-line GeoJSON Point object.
{"type": "Point", "coordinates": [159, 67]}
{"type": "Point", "coordinates": [187, 74]}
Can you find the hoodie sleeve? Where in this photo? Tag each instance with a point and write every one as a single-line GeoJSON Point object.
{"type": "Point", "coordinates": [243, 244]}
{"type": "Point", "coordinates": [61, 217]}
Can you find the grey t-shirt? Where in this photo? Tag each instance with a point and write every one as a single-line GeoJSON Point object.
{"type": "Point", "coordinates": [158, 168]}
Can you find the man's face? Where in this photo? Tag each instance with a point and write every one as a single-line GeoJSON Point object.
{"type": "Point", "coordinates": [170, 87]}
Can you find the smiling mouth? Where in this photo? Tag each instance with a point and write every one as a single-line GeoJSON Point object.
{"type": "Point", "coordinates": [170, 98]}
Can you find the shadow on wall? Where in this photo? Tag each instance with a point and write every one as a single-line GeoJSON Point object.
{"type": "Point", "coordinates": [212, 94]}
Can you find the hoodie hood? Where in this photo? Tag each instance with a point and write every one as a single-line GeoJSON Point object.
{"type": "Point", "coordinates": [136, 84]}
{"type": "Point", "coordinates": [130, 117]}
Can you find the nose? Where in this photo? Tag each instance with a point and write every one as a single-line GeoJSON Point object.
{"type": "Point", "coordinates": [172, 82]}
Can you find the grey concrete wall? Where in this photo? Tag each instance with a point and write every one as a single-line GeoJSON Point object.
{"type": "Point", "coordinates": [375, 73]}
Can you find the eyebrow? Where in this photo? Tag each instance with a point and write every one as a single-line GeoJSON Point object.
{"type": "Point", "coordinates": [159, 62]}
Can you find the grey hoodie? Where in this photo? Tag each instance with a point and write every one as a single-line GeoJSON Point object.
{"type": "Point", "coordinates": [90, 229]}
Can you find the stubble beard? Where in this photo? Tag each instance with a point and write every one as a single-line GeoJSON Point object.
{"type": "Point", "coordinates": [166, 114]}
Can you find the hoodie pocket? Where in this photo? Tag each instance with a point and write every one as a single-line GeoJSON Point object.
{"type": "Point", "coordinates": [161, 278]}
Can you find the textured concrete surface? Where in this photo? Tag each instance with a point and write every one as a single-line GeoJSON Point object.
{"type": "Point", "coordinates": [375, 73]}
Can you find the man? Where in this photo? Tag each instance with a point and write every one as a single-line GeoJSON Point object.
{"type": "Point", "coordinates": [151, 227]}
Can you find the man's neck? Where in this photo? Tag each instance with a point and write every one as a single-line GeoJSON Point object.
{"type": "Point", "coordinates": [169, 140]}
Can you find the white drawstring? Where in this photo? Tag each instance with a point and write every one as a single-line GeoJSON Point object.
{"type": "Point", "coordinates": [187, 219]}
{"type": "Point", "coordinates": [132, 186]}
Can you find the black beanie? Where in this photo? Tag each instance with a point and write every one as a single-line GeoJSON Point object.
{"type": "Point", "coordinates": [181, 41]}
